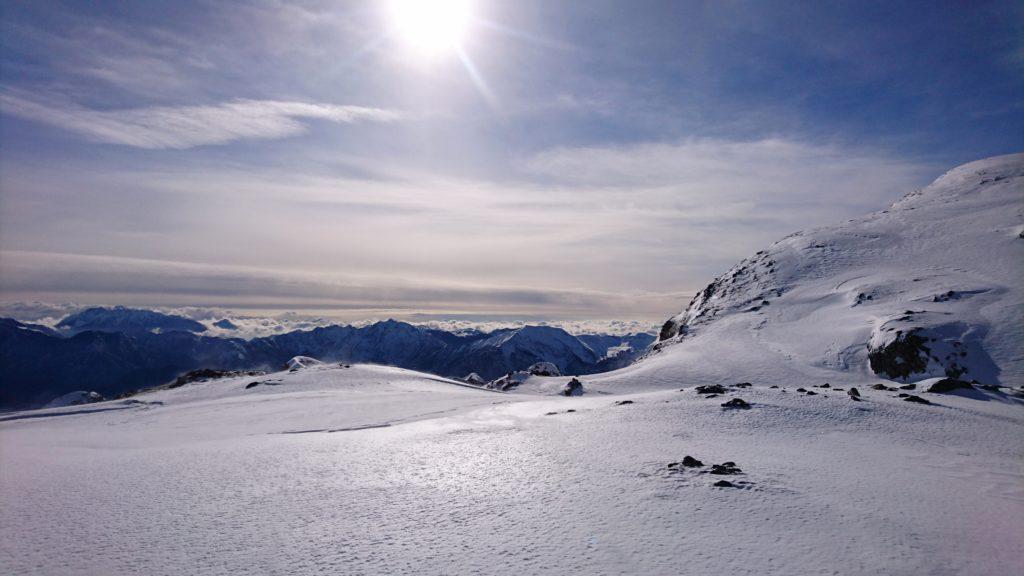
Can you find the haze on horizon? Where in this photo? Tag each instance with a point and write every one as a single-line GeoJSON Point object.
{"type": "Point", "coordinates": [480, 157]}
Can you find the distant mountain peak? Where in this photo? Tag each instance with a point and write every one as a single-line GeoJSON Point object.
{"type": "Point", "coordinates": [126, 320]}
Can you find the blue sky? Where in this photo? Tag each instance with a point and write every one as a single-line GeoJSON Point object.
{"type": "Point", "coordinates": [568, 159]}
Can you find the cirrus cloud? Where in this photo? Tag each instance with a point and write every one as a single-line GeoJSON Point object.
{"type": "Point", "coordinates": [179, 127]}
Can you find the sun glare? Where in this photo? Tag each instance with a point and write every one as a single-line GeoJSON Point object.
{"type": "Point", "coordinates": [430, 26]}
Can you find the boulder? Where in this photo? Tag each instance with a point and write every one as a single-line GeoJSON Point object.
{"type": "Point", "coordinates": [725, 469]}
{"type": "Point", "coordinates": [691, 462]}
{"type": "Point", "coordinates": [736, 403]}
{"type": "Point", "coordinates": [949, 385]}
{"type": "Point", "coordinates": [573, 388]}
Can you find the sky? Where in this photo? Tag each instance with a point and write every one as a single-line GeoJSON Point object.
{"type": "Point", "coordinates": [467, 159]}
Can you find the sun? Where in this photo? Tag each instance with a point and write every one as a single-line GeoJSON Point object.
{"type": "Point", "coordinates": [430, 26]}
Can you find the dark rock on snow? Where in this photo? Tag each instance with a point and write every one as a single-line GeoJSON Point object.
{"type": "Point", "coordinates": [210, 374]}
{"type": "Point", "coordinates": [573, 388]}
{"type": "Point", "coordinates": [710, 389]}
{"type": "Point", "coordinates": [691, 462]}
{"type": "Point", "coordinates": [736, 403]}
{"type": "Point", "coordinates": [907, 354]}
{"type": "Point", "coordinates": [916, 399]}
{"type": "Point", "coordinates": [725, 469]}
{"type": "Point", "coordinates": [724, 484]}
{"type": "Point", "coordinates": [949, 385]}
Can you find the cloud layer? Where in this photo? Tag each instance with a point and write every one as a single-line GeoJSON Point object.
{"type": "Point", "coordinates": [132, 281]}
{"type": "Point", "coordinates": [180, 127]}
{"type": "Point", "coordinates": [616, 231]}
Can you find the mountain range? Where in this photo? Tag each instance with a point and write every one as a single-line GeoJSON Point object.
{"type": "Point", "coordinates": [115, 350]}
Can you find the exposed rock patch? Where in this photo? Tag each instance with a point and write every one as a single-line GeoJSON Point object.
{"type": "Point", "coordinates": [736, 403]}
{"type": "Point", "coordinates": [950, 385]}
{"type": "Point", "coordinates": [573, 388]}
{"type": "Point", "coordinates": [544, 369]}
{"type": "Point", "coordinates": [210, 374]}
{"type": "Point", "coordinates": [691, 462]}
{"type": "Point", "coordinates": [725, 469]}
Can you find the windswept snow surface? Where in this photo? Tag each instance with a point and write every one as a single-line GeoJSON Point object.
{"type": "Point", "coordinates": [372, 470]}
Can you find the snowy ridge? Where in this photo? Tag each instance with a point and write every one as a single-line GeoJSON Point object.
{"type": "Point", "coordinates": [942, 262]}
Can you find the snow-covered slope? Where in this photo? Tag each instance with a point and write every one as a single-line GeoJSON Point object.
{"type": "Point", "coordinates": [373, 470]}
{"type": "Point", "coordinates": [931, 286]}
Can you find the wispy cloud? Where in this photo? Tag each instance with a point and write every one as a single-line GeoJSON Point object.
{"type": "Point", "coordinates": [181, 127]}
{"type": "Point", "coordinates": [712, 159]}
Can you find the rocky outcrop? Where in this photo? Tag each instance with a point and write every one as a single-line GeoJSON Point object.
{"type": "Point", "coordinates": [75, 398]}
{"type": "Point", "coordinates": [544, 369]}
{"type": "Point", "coordinates": [573, 388]}
{"type": "Point", "coordinates": [950, 385]}
{"type": "Point", "coordinates": [210, 374]}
